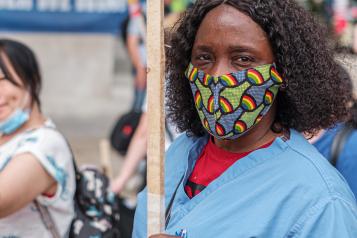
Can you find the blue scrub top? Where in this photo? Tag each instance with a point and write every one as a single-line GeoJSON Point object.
{"type": "Point", "coordinates": [347, 160]}
{"type": "Point", "coordinates": [286, 190]}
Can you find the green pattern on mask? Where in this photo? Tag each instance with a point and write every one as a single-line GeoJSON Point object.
{"type": "Point", "coordinates": [250, 117]}
{"type": "Point", "coordinates": [205, 92]}
{"type": "Point", "coordinates": [234, 95]}
{"type": "Point", "coordinates": [274, 89]}
{"type": "Point", "coordinates": [231, 104]}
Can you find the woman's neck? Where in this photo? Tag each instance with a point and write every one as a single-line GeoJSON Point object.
{"type": "Point", "coordinates": [36, 119]}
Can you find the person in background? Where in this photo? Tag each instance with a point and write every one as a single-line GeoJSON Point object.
{"type": "Point", "coordinates": [346, 157]}
{"type": "Point", "coordinates": [137, 149]}
{"type": "Point", "coordinates": [246, 78]}
{"type": "Point", "coordinates": [134, 37]}
{"type": "Point", "coordinates": [344, 23]}
{"type": "Point", "coordinates": [36, 167]}
{"type": "Point", "coordinates": [137, 152]}
{"type": "Point", "coordinates": [339, 149]}
{"type": "Point", "coordinates": [354, 22]}
{"type": "Point", "coordinates": [133, 34]}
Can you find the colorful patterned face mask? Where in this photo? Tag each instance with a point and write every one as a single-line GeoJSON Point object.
{"type": "Point", "coordinates": [231, 104]}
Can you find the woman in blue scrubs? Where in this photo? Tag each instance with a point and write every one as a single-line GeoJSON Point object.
{"type": "Point", "coordinates": [247, 76]}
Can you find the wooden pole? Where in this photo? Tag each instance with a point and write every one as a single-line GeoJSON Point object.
{"type": "Point", "coordinates": [154, 38]}
{"type": "Point", "coordinates": [156, 119]}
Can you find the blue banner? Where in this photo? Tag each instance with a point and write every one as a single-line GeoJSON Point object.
{"type": "Point", "coordinates": [92, 16]}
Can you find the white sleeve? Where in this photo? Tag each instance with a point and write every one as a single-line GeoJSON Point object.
{"type": "Point", "coordinates": [50, 148]}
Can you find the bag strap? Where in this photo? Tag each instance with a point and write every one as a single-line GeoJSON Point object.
{"type": "Point", "coordinates": [169, 207]}
{"type": "Point", "coordinates": [43, 210]}
{"type": "Point", "coordinates": [339, 142]}
{"type": "Point", "coordinates": [47, 220]}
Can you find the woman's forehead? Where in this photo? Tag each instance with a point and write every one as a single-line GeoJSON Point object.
{"type": "Point", "coordinates": [227, 24]}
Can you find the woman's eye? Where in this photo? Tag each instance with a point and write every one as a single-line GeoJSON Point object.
{"type": "Point", "coordinates": [243, 61]}
{"type": "Point", "coordinates": [204, 57]}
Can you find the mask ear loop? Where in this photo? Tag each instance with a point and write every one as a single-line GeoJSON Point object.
{"type": "Point", "coordinates": [284, 86]}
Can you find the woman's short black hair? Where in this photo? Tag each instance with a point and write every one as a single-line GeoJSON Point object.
{"type": "Point", "coordinates": [315, 94]}
{"type": "Point", "coordinates": [24, 62]}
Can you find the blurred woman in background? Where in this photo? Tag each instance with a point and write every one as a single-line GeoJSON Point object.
{"type": "Point", "coordinates": [36, 168]}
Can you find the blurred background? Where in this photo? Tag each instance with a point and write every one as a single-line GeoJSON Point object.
{"type": "Point", "coordinates": [90, 78]}
{"type": "Point", "coordinates": [87, 74]}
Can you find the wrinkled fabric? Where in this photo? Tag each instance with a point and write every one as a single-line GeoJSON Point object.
{"type": "Point", "coordinates": [347, 160]}
{"type": "Point", "coordinates": [286, 190]}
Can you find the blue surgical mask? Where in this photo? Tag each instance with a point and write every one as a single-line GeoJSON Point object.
{"type": "Point", "coordinates": [17, 119]}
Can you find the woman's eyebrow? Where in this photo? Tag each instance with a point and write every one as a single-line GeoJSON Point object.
{"type": "Point", "coordinates": [203, 48]}
{"type": "Point", "coordinates": [241, 48]}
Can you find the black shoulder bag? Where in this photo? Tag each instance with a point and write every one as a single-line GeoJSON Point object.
{"type": "Point", "coordinates": [96, 207]}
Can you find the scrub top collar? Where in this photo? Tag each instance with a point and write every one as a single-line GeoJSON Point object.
{"type": "Point", "coordinates": [183, 204]}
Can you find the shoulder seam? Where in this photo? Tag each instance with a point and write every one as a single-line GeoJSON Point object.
{"type": "Point", "coordinates": [296, 228]}
{"type": "Point", "coordinates": [318, 168]}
